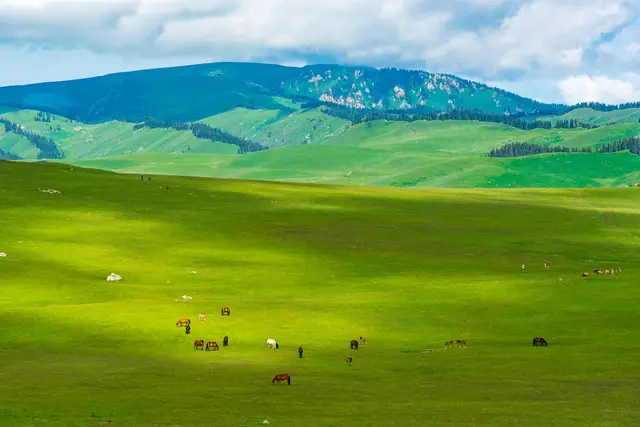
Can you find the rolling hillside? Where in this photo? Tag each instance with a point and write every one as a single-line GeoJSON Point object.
{"type": "Point", "coordinates": [315, 124]}
{"type": "Point", "coordinates": [314, 266]}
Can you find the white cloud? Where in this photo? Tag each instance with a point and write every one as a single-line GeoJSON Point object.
{"type": "Point", "coordinates": [543, 34]}
{"type": "Point", "coordinates": [584, 88]}
{"type": "Point", "coordinates": [501, 40]}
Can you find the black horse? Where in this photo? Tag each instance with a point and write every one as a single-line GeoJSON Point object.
{"type": "Point", "coordinates": [539, 341]}
{"type": "Point", "coordinates": [354, 344]}
{"type": "Point", "coordinates": [225, 341]}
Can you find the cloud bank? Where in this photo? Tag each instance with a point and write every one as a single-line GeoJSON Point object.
{"type": "Point", "coordinates": [584, 48]}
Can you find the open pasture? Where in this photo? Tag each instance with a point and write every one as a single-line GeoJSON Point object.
{"type": "Point", "coordinates": [315, 266]}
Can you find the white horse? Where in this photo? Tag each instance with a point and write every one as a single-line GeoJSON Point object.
{"type": "Point", "coordinates": [271, 343]}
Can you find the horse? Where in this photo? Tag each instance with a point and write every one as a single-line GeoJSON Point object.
{"type": "Point", "coordinates": [202, 317]}
{"type": "Point", "coordinates": [448, 344]}
{"type": "Point", "coordinates": [597, 271]}
{"type": "Point", "coordinates": [539, 341]}
{"type": "Point", "coordinates": [225, 341]}
{"type": "Point", "coordinates": [547, 265]}
{"type": "Point", "coordinates": [363, 340]}
{"type": "Point", "coordinates": [281, 377]}
{"type": "Point", "coordinates": [183, 321]}
{"type": "Point", "coordinates": [225, 310]}
{"type": "Point", "coordinates": [461, 343]}
{"type": "Point", "coordinates": [585, 274]}
{"type": "Point", "coordinates": [271, 343]}
{"type": "Point", "coordinates": [348, 360]}
{"type": "Point", "coordinates": [198, 343]}
{"type": "Point", "coordinates": [213, 345]}
{"type": "Point", "coordinates": [354, 344]}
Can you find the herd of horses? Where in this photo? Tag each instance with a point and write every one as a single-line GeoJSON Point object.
{"type": "Point", "coordinates": [353, 345]}
{"type": "Point", "coordinates": [608, 271]}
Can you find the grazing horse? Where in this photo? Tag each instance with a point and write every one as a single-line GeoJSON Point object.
{"type": "Point", "coordinates": [183, 321]}
{"type": "Point", "coordinates": [448, 344]}
{"type": "Point", "coordinates": [225, 310]}
{"type": "Point", "coordinates": [198, 343]}
{"type": "Point", "coordinates": [597, 271]}
{"type": "Point", "coordinates": [225, 341]}
{"type": "Point", "coordinates": [363, 340]}
{"type": "Point", "coordinates": [281, 377]}
{"type": "Point", "coordinates": [271, 343]}
{"type": "Point", "coordinates": [202, 317]}
{"type": "Point", "coordinates": [213, 345]}
{"type": "Point", "coordinates": [539, 341]}
{"type": "Point", "coordinates": [348, 360]}
{"type": "Point", "coordinates": [585, 274]}
{"type": "Point", "coordinates": [354, 344]}
{"type": "Point", "coordinates": [461, 343]}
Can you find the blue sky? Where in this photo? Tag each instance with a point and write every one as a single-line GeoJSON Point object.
{"type": "Point", "coordinates": [551, 50]}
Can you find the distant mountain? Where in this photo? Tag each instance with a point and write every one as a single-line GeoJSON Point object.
{"type": "Point", "coordinates": [191, 93]}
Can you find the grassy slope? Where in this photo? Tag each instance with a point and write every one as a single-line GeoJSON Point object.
{"type": "Point", "coordinates": [315, 266]}
{"type": "Point", "coordinates": [276, 128]}
{"type": "Point", "coordinates": [81, 141]}
{"type": "Point", "coordinates": [437, 154]}
{"type": "Point", "coordinates": [587, 115]}
{"type": "Point", "coordinates": [16, 144]}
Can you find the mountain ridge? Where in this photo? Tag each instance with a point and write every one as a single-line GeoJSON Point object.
{"type": "Point", "coordinates": [194, 92]}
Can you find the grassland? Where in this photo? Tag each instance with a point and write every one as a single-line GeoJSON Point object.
{"type": "Point", "coordinates": [316, 266]}
{"type": "Point", "coordinates": [276, 127]}
{"type": "Point", "coordinates": [423, 154]}
{"type": "Point", "coordinates": [310, 146]}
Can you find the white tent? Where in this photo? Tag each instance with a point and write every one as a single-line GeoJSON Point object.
{"type": "Point", "coordinates": [113, 277]}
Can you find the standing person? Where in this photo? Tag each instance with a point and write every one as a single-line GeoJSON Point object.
{"type": "Point", "coordinates": [300, 352]}
{"type": "Point", "coordinates": [187, 329]}
{"type": "Point", "coordinates": [523, 268]}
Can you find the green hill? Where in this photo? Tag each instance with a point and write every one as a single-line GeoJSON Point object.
{"type": "Point", "coordinates": [319, 123]}
{"type": "Point", "coordinates": [314, 266]}
{"type": "Point", "coordinates": [433, 154]}
{"type": "Point", "coordinates": [192, 93]}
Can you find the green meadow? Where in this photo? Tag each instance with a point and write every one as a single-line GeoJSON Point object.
{"type": "Point", "coordinates": [313, 265]}
{"type": "Point", "coordinates": [450, 154]}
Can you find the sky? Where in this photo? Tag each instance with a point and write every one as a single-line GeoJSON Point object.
{"type": "Point", "coordinates": [551, 50]}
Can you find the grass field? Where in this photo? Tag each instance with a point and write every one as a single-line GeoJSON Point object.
{"type": "Point", "coordinates": [448, 154]}
{"type": "Point", "coordinates": [422, 154]}
{"type": "Point", "coordinates": [313, 266]}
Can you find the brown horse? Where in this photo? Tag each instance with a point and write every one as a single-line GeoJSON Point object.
{"type": "Point", "coordinates": [539, 341]}
{"type": "Point", "coordinates": [461, 343]}
{"type": "Point", "coordinates": [198, 343]}
{"type": "Point", "coordinates": [213, 345]}
{"type": "Point", "coordinates": [354, 344]}
{"type": "Point", "coordinates": [225, 310]}
{"type": "Point", "coordinates": [448, 344]}
{"type": "Point", "coordinates": [348, 360]}
{"type": "Point", "coordinates": [183, 321]}
{"type": "Point", "coordinates": [281, 377]}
